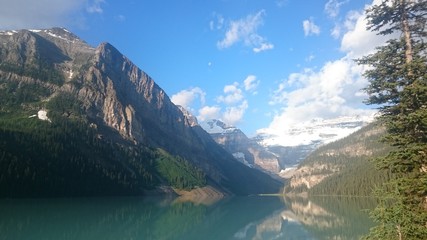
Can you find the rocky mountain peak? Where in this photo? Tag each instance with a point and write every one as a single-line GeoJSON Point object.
{"type": "Point", "coordinates": [58, 33]}
{"type": "Point", "coordinates": [217, 126]}
{"type": "Point", "coordinates": [241, 147]}
{"type": "Point", "coordinates": [190, 120]}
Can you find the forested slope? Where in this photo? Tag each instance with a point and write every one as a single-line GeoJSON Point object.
{"type": "Point", "coordinates": [343, 167]}
{"type": "Point", "coordinates": [66, 156]}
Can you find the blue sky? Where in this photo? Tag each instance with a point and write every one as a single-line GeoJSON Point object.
{"type": "Point", "coordinates": [260, 65]}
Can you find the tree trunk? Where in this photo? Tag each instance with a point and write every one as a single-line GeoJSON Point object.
{"type": "Point", "coordinates": [399, 232]}
{"type": "Point", "coordinates": [406, 30]}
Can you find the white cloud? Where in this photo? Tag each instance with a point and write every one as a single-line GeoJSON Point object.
{"type": "Point", "coordinates": [19, 14]}
{"type": "Point", "coordinates": [358, 41]}
{"type": "Point", "coordinates": [24, 14]}
{"type": "Point", "coordinates": [245, 30]}
{"type": "Point", "coordinates": [251, 83]}
{"type": "Point", "coordinates": [332, 7]}
{"type": "Point", "coordinates": [217, 23]}
{"type": "Point", "coordinates": [347, 25]}
{"type": "Point", "coordinates": [327, 88]}
{"type": "Point", "coordinates": [263, 47]}
{"type": "Point", "coordinates": [186, 98]}
{"type": "Point", "coordinates": [331, 92]}
{"type": "Point", "coordinates": [95, 6]}
{"type": "Point", "coordinates": [234, 115]}
{"type": "Point", "coordinates": [310, 28]}
{"type": "Point", "coordinates": [231, 105]}
{"type": "Point", "coordinates": [232, 94]}
{"type": "Point", "coordinates": [336, 31]}
{"type": "Point", "coordinates": [209, 112]}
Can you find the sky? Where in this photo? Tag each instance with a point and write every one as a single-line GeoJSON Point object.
{"type": "Point", "coordinates": [260, 65]}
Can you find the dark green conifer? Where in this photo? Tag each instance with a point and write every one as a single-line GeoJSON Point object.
{"type": "Point", "coordinates": [398, 84]}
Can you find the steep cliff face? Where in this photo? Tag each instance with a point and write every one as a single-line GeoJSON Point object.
{"type": "Point", "coordinates": [120, 101]}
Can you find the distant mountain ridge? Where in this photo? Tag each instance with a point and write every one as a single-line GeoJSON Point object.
{"type": "Point", "coordinates": [316, 131]}
{"type": "Point", "coordinates": [244, 149]}
{"type": "Point", "coordinates": [121, 108]}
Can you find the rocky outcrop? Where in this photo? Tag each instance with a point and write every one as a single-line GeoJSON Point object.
{"type": "Point", "coordinates": [307, 176]}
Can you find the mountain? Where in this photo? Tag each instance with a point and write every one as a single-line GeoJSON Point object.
{"type": "Point", "coordinates": [294, 144]}
{"type": "Point", "coordinates": [315, 131]}
{"type": "Point", "coordinates": [343, 167]}
{"type": "Point", "coordinates": [244, 149]}
{"type": "Point", "coordinates": [70, 111]}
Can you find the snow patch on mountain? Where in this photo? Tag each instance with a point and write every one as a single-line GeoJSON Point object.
{"type": "Point", "coordinates": [241, 157]}
{"type": "Point", "coordinates": [217, 127]}
{"type": "Point", "coordinates": [8, 33]}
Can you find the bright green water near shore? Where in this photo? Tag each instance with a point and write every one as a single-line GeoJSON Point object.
{"type": "Point", "coordinates": [158, 218]}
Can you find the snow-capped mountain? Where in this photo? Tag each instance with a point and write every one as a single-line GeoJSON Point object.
{"type": "Point", "coordinates": [244, 149]}
{"type": "Point", "coordinates": [298, 141]}
{"type": "Point", "coordinates": [277, 152]}
{"type": "Point", "coordinates": [314, 132]}
{"type": "Point", "coordinates": [215, 126]}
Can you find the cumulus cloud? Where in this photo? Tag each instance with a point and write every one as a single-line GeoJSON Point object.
{"type": "Point", "coordinates": [232, 94]}
{"type": "Point", "coordinates": [20, 14]}
{"type": "Point", "coordinates": [234, 114]}
{"type": "Point", "coordinates": [310, 28]}
{"type": "Point", "coordinates": [209, 112]}
{"type": "Point", "coordinates": [358, 41]}
{"type": "Point", "coordinates": [245, 30]}
{"type": "Point", "coordinates": [323, 93]}
{"type": "Point", "coordinates": [331, 92]}
{"type": "Point", "coordinates": [231, 105]}
{"type": "Point", "coordinates": [186, 98]}
{"type": "Point", "coordinates": [347, 25]}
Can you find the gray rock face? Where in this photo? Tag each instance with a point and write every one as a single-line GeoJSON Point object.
{"type": "Point", "coordinates": [243, 149]}
{"type": "Point", "coordinates": [122, 101]}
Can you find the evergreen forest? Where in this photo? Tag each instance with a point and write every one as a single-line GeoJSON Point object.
{"type": "Point", "coordinates": [66, 156]}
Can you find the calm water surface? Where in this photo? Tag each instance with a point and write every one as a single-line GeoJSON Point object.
{"type": "Point", "coordinates": [159, 218]}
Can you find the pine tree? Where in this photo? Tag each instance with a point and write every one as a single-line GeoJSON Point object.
{"type": "Point", "coordinates": [398, 84]}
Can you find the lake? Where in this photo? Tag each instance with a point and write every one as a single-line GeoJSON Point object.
{"type": "Point", "coordinates": [166, 218]}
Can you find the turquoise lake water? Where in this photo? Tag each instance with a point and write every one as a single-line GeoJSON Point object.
{"type": "Point", "coordinates": [159, 218]}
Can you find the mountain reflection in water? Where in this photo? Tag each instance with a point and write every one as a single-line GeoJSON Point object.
{"type": "Point", "coordinates": [159, 218]}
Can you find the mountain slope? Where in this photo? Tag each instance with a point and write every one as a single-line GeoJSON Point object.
{"type": "Point", "coordinates": [243, 149]}
{"type": "Point", "coordinates": [111, 103]}
{"type": "Point", "coordinates": [295, 143]}
{"type": "Point", "coordinates": [343, 167]}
